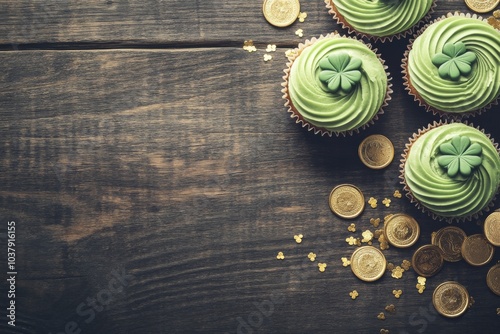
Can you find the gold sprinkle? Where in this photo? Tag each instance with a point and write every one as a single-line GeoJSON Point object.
{"type": "Point", "coordinates": [378, 233]}
{"type": "Point", "coordinates": [384, 331]}
{"type": "Point", "coordinates": [298, 238]}
{"type": "Point", "coordinates": [299, 32]}
{"type": "Point", "coordinates": [375, 222]}
{"type": "Point", "coordinates": [496, 14]}
{"type": "Point", "coordinates": [387, 217]}
{"type": "Point", "coordinates": [397, 293]}
{"type": "Point", "coordinates": [406, 265]}
{"type": "Point", "coordinates": [290, 52]}
{"type": "Point", "coordinates": [421, 280]}
{"type": "Point", "coordinates": [367, 236]}
{"type": "Point", "coordinates": [345, 262]}
{"type": "Point", "coordinates": [311, 256]}
{"type": "Point", "coordinates": [267, 57]}
{"type": "Point", "coordinates": [302, 16]}
{"type": "Point", "coordinates": [384, 245]}
{"type": "Point", "coordinates": [321, 267]}
{"type": "Point", "coordinates": [397, 272]}
{"type": "Point", "coordinates": [397, 194]}
{"type": "Point", "coordinates": [381, 316]}
{"type": "Point", "coordinates": [420, 288]}
{"type": "Point", "coordinates": [352, 228]}
{"type": "Point", "coordinates": [498, 310]}
{"type": "Point", "coordinates": [471, 301]}
{"type": "Point", "coordinates": [386, 202]}
{"type": "Point", "coordinates": [494, 22]}
{"type": "Point", "coordinates": [271, 48]}
{"type": "Point", "coordinates": [351, 241]}
{"type": "Point", "coordinates": [373, 202]}
{"type": "Point", "coordinates": [390, 266]}
{"type": "Point", "coordinates": [280, 256]}
{"type": "Point", "coordinates": [390, 308]}
{"type": "Point", "coordinates": [248, 46]}
{"type": "Point", "coordinates": [354, 294]}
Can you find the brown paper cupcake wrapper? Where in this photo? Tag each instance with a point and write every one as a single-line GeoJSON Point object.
{"type": "Point", "coordinates": [412, 91]}
{"type": "Point", "coordinates": [332, 10]}
{"type": "Point", "coordinates": [298, 117]}
{"type": "Point", "coordinates": [407, 189]}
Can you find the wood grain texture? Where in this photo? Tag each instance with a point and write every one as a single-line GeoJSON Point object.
{"type": "Point", "coordinates": [179, 171]}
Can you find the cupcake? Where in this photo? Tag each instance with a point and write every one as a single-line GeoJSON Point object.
{"type": "Point", "coordinates": [335, 85]}
{"type": "Point", "coordinates": [451, 171]}
{"type": "Point", "coordinates": [452, 67]}
{"type": "Point", "coordinates": [382, 19]}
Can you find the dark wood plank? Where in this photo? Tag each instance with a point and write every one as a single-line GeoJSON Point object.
{"type": "Point", "coordinates": [166, 23]}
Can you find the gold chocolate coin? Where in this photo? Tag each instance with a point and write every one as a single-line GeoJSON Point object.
{"type": "Point", "coordinates": [450, 240]}
{"type": "Point", "coordinates": [368, 263]}
{"type": "Point", "coordinates": [492, 228]}
{"type": "Point", "coordinates": [476, 250]}
{"type": "Point", "coordinates": [428, 260]}
{"type": "Point", "coordinates": [482, 6]}
{"type": "Point", "coordinates": [376, 151]}
{"type": "Point", "coordinates": [493, 279]}
{"type": "Point", "coordinates": [450, 299]}
{"type": "Point", "coordinates": [347, 201]}
{"type": "Point", "coordinates": [281, 13]}
{"type": "Point", "coordinates": [401, 230]}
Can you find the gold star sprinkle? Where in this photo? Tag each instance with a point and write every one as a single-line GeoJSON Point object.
{"type": "Point", "coordinates": [384, 331]}
{"type": "Point", "coordinates": [299, 32]}
{"type": "Point", "coordinates": [311, 256]}
{"type": "Point", "coordinates": [375, 222]}
{"type": "Point", "coordinates": [267, 57]}
{"type": "Point", "coordinates": [321, 267]}
{"type": "Point", "coordinates": [390, 308]}
{"type": "Point", "coordinates": [280, 256]}
{"type": "Point", "coordinates": [420, 288]}
{"type": "Point", "coordinates": [397, 194]}
{"type": "Point", "coordinates": [271, 48]}
{"type": "Point", "coordinates": [386, 202]}
{"type": "Point", "coordinates": [367, 236]}
{"type": "Point", "coordinates": [373, 202]}
{"type": "Point", "coordinates": [345, 262]}
{"type": "Point", "coordinates": [302, 16]}
{"type": "Point", "coordinates": [352, 228]}
{"type": "Point", "coordinates": [421, 280]}
{"type": "Point", "coordinates": [298, 238]}
{"type": "Point", "coordinates": [290, 52]}
{"type": "Point", "coordinates": [406, 265]}
{"type": "Point", "coordinates": [354, 294]}
{"type": "Point", "coordinates": [397, 272]}
{"type": "Point", "coordinates": [397, 293]}
{"type": "Point", "coordinates": [381, 316]}
{"type": "Point", "coordinates": [248, 46]}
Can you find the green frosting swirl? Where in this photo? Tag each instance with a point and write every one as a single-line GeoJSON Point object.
{"type": "Point", "coordinates": [457, 196]}
{"type": "Point", "coordinates": [338, 111]}
{"type": "Point", "coordinates": [382, 17]}
{"type": "Point", "coordinates": [466, 93]}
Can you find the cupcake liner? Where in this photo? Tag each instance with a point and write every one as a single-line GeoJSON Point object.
{"type": "Point", "coordinates": [412, 91]}
{"type": "Point", "coordinates": [407, 190]}
{"type": "Point", "coordinates": [332, 10]}
{"type": "Point", "coordinates": [298, 117]}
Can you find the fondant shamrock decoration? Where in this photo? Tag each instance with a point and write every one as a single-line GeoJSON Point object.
{"type": "Point", "coordinates": [339, 71]}
{"type": "Point", "coordinates": [459, 155]}
{"type": "Point", "coordinates": [454, 61]}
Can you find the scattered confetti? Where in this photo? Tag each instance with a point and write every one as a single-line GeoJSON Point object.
{"type": "Point", "coordinates": [384, 331]}
{"type": "Point", "coordinates": [375, 222]}
{"type": "Point", "coordinates": [367, 236]}
{"type": "Point", "coordinates": [299, 32]}
{"type": "Point", "coordinates": [390, 308]}
{"type": "Point", "coordinates": [354, 294]}
{"type": "Point", "coordinates": [352, 228]}
{"type": "Point", "coordinates": [298, 238]}
{"type": "Point", "coordinates": [248, 46]}
{"type": "Point", "coordinates": [302, 16]}
{"type": "Point", "coordinates": [373, 202]}
{"type": "Point", "coordinates": [397, 272]}
{"type": "Point", "coordinates": [397, 293]}
{"type": "Point", "coordinates": [406, 265]}
{"type": "Point", "coordinates": [311, 256]}
{"type": "Point", "coordinates": [267, 57]}
{"type": "Point", "coordinates": [381, 316]}
{"type": "Point", "coordinates": [271, 48]}
{"type": "Point", "coordinates": [321, 267]}
{"type": "Point", "coordinates": [345, 262]}
{"type": "Point", "coordinates": [290, 52]}
{"type": "Point", "coordinates": [280, 256]}
{"type": "Point", "coordinates": [397, 194]}
{"type": "Point", "coordinates": [386, 202]}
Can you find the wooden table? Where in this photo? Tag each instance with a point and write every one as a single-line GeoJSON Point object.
{"type": "Point", "coordinates": [153, 175]}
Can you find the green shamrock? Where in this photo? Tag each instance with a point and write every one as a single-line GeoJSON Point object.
{"type": "Point", "coordinates": [339, 71]}
{"type": "Point", "coordinates": [454, 61]}
{"type": "Point", "coordinates": [459, 155]}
